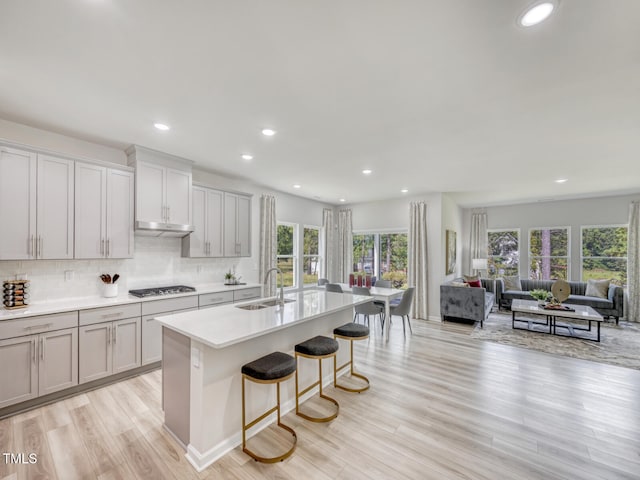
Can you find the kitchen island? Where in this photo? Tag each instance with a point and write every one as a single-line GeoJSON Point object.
{"type": "Point", "coordinates": [203, 352]}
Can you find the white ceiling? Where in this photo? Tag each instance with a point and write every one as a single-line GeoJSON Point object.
{"type": "Point", "coordinates": [434, 96]}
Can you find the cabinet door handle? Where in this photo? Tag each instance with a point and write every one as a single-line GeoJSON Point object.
{"type": "Point", "coordinates": [108, 247]}
{"type": "Point", "coordinates": [102, 247]}
{"type": "Point", "coordinates": [115, 334]}
{"type": "Point", "coordinates": [168, 214]}
{"type": "Point", "coordinates": [32, 247]}
{"type": "Point", "coordinates": [41, 241]}
{"type": "Point", "coordinates": [33, 350]}
{"type": "Point", "coordinates": [208, 248]}
{"type": "Point", "coordinates": [109, 335]}
{"type": "Point", "coordinates": [41, 348]}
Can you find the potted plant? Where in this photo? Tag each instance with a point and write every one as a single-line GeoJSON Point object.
{"type": "Point", "coordinates": [540, 295]}
{"type": "Point", "coordinates": [229, 278]}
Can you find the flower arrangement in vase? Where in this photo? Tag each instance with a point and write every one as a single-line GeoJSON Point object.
{"type": "Point", "coordinates": [540, 295]}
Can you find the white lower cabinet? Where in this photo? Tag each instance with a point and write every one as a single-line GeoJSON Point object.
{"type": "Point", "coordinates": [36, 365]}
{"type": "Point", "coordinates": [108, 348]}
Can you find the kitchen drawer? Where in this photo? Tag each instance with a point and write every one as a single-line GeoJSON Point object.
{"type": "Point", "coordinates": [210, 299]}
{"type": "Point", "coordinates": [246, 294]}
{"type": "Point", "coordinates": [39, 324]}
{"type": "Point", "coordinates": [169, 305]}
{"type": "Point", "coordinates": [107, 314]}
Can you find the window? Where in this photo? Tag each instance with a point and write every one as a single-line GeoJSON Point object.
{"type": "Point", "coordinates": [504, 252]}
{"type": "Point", "coordinates": [549, 253]}
{"type": "Point", "coordinates": [310, 255]}
{"type": "Point", "coordinates": [604, 253]}
{"type": "Point", "coordinates": [287, 252]}
{"type": "Point", "coordinates": [383, 255]}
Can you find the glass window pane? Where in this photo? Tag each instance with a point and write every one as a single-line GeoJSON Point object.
{"type": "Point", "coordinates": [285, 239]}
{"type": "Point", "coordinates": [500, 266]}
{"type": "Point", "coordinates": [310, 265]}
{"type": "Point", "coordinates": [393, 258]}
{"type": "Point", "coordinates": [503, 244]}
{"type": "Point", "coordinates": [546, 242]}
{"type": "Point", "coordinates": [604, 242]}
{"type": "Point", "coordinates": [310, 241]}
{"type": "Point", "coordinates": [363, 255]}
{"type": "Point", "coordinates": [287, 267]}
{"type": "Point", "coordinates": [548, 268]}
{"type": "Point", "coordinates": [598, 268]}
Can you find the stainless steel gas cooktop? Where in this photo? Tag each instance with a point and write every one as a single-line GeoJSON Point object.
{"type": "Point", "coordinates": [158, 291]}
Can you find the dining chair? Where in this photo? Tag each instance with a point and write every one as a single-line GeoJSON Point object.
{"type": "Point", "coordinates": [369, 308]}
{"type": "Point", "coordinates": [333, 287]}
{"type": "Point", "coordinates": [322, 281]}
{"type": "Point", "coordinates": [384, 284]}
{"type": "Point", "coordinates": [403, 309]}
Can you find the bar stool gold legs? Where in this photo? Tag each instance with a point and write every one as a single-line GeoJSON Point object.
{"type": "Point", "coordinates": [262, 371]}
{"type": "Point", "coordinates": [349, 364]}
{"type": "Point", "coordinates": [316, 348]}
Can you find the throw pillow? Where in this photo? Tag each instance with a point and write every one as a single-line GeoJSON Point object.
{"type": "Point", "coordinates": [512, 283]}
{"type": "Point", "coordinates": [597, 288]}
{"type": "Point", "coordinates": [471, 278]}
{"type": "Point", "coordinates": [476, 283]}
{"type": "Point", "coordinates": [459, 284]}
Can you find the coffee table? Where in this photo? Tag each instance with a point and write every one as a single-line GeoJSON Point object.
{"type": "Point", "coordinates": [560, 322]}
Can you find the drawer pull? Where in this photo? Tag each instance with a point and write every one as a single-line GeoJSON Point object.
{"type": "Point", "coordinates": [110, 315]}
{"type": "Point", "coordinates": [34, 327]}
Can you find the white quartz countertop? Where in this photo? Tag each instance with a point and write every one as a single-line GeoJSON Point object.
{"type": "Point", "coordinates": [228, 325]}
{"type": "Point", "coordinates": [84, 303]}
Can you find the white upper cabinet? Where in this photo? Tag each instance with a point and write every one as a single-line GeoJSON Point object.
{"type": "Point", "coordinates": [237, 225]}
{"type": "Point", "coordinates": [36, 202]}
{"type": "Point", "coordinates": [163, 187]}
{"type": "Point", "coordinates": [207, 237]}
{"type": "Point", "coordinates": [17, 204]}
{"type": "Point", "coordinates": [104, 212]}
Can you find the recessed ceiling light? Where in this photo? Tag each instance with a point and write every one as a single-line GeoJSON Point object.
{"type": "Point", "coordinates": [297, 186]}
{"type": "Point", "coordinates": [246, 156]}
{"type": "Point", "coordinates": [536, 14]}
{"type": "Point", "coordinates": [561, 180]}
{"type": "Point", "coordinates": [267, 132]}
{"type": "Point", "coordinates": [367, 171]}
{"type": "Point", "coordinates": [342, 200]}
{"type": "Point", "coordinates": [162, 126]}
{"type": "Point", "coordinates": [404, 190]}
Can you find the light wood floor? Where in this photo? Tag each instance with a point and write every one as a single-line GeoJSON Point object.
{"type": "Point", "coordinates": [441, 406]}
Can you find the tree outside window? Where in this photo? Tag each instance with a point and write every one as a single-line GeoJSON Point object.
{"type": "Point", "coordinates": [287, 252]}
{"type": "Point", "coordinates": [604, 253]}
{"type": "Point", "coordinates": [503, 252]}
{"type": "Point", "coordinates": [310, 255]}
{"type": "Point", "coordinates": [549, 253]}
{"type": "Point", "coordinates": [383, 255]}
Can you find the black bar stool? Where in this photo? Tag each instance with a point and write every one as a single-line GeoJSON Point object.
{"type": "Point", "coordinates": [350, 331]}
{"type": "Point", "coordinates": [316, 348]}
{"type": "Point", "coordinates": [273, 368]}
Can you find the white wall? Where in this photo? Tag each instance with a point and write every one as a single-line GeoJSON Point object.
{"type": "Point", "coordinates": [565, 213]}
{"type": "Point", "coordinates": [157, 261]}
{"type": "Point", "coordinates": [393, 214]}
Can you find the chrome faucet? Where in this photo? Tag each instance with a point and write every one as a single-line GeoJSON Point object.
{"type": "Point", "coordinates": [266, 277]}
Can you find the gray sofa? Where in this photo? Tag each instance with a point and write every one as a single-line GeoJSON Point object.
{"type": "Point", "coordinates": [613, 306]}
{"type": "Point", "coordinates": [468, 303]}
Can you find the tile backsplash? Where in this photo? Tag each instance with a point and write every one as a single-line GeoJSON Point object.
{"type": "Point", "coordinates": [157, 262]}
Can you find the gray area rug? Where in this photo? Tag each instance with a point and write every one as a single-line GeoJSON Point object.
{"type": "Point", "coordinates": [619, 345]}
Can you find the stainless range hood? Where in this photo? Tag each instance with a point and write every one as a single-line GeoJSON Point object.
{"type": "Point", "coordinates": [155, 229]}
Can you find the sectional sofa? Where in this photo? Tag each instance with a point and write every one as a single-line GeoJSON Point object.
{"type": "Point", "coordinates": [468, 303]}
{"type": "Point", "coordinates": [612, 306]}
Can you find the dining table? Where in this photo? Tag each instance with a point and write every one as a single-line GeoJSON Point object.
{"type": "Point", "coordinates": [383, 294]}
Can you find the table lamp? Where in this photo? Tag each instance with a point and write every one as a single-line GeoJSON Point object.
{"type": "Point", "coordinates": [478, 264]}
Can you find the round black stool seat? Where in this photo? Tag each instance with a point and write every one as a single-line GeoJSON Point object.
{"type": "Point", "coordinates": [351, 329]}
{"type": "Point", "coordinates": [317, 346]}
{"type": "Point", "coordinates": [270, 367]}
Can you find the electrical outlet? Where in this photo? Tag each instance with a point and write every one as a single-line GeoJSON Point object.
{"type": "Point", "coordinates": [68, 275]}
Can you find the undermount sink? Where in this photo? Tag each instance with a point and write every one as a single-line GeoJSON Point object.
{"type": "Point", "coordinates": [263, 304]}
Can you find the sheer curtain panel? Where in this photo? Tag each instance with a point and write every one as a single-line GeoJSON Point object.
{"type": "Point", "coordinates": [632, 313]}
{"type": "Point", "coordinates": [418, 264]}
{"type": "Point", "coordinates": [478, 240]}
{"type": "Point", "coordinates": [328, 239]}
{"type": "Point", "coordinates": [345, 246]}
{"type": "Point", "coordinates": [268, 242]}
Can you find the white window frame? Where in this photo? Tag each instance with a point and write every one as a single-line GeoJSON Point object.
{"type": "Point", "coordinates": [582, 227]}
{"type": "Point", "coordinates": [318, 255]}
{"type": "Point", "coordinates": [376, 244]}
{"type": "Point", "coordinates": [519, 250]}
{"type": "Point", "coordinates": [568, 256]}
{"type": "Point", "coordinates": [295, 255]}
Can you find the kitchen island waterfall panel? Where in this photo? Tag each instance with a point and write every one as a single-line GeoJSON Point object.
{"type": "Point", "coordinates": [225, 338]}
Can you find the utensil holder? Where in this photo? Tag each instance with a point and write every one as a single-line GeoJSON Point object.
{"type": "Point", "coordinates": [110, 290]}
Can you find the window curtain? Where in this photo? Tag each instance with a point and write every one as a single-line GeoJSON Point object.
{"type": "Point", "coordinates": [268, 242]}
{"type": "Point", "coordinates": [345, 247]}
{"type": "Point", "coordinates": [478, 241]}
{"type": "Point", "coordinates": [328, 239]}
{"type": "Point", "coordinates": [418, 265]}
{"type": "Point", "coordinates": [633, 264]}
